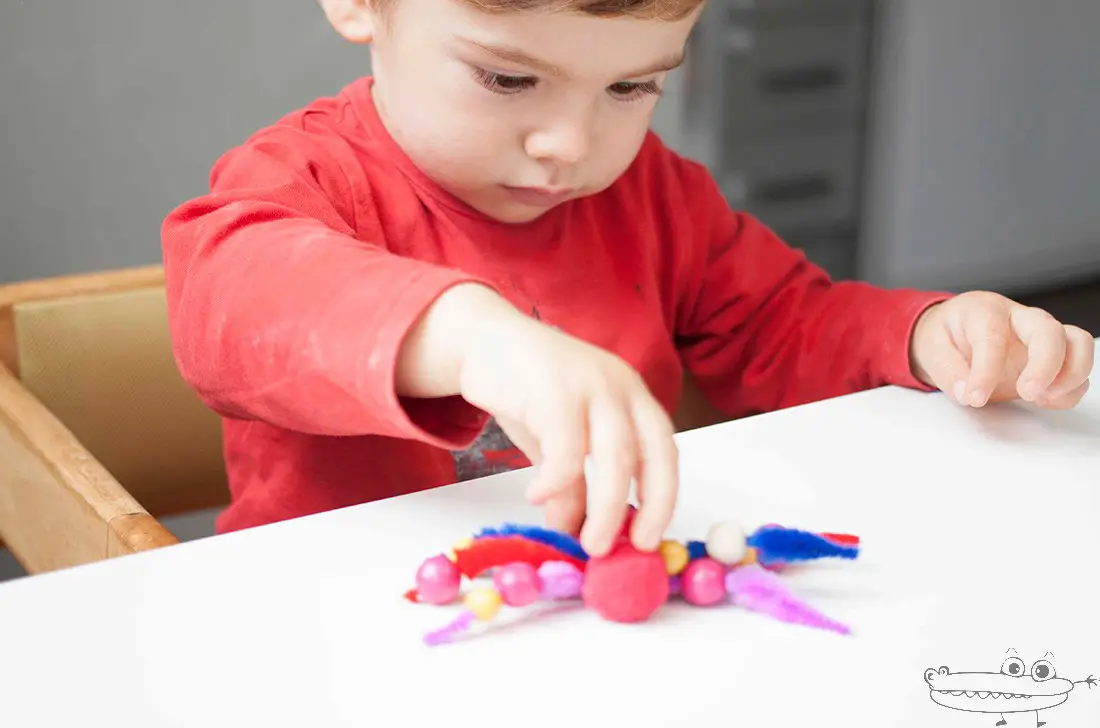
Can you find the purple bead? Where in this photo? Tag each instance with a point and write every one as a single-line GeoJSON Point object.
{"type": "Point", "coordinates": [674, 585]}
{"type": "Point", "coordinates": [560, 580]}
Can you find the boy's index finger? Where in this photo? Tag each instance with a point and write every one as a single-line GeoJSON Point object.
{"type": "Point", "coordinates": [658, 483]}
{"type": "Point", "coordinates": [615, 460]}
{"type": "Point", "coordinates": [1045, 340]}
{"type": "Point", "coordinates": [988, 335]}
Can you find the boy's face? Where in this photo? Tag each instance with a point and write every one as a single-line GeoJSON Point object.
{"type": "Point", "coordinates": [514, 113]}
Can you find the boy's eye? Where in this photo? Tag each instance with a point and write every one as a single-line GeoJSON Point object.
{"type": "Point", "coordinates": [629, 91]}
{"type": "Point", "coordinates": [502, 84]}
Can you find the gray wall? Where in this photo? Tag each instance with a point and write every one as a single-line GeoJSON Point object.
{"type": "Point", "coordinates": [985, 171]}
{"type": "Point", "coordinates": [112, 112]}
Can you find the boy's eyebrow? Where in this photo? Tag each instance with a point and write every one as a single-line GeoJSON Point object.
{"type": "Point", "coordinates": [516, 55]}
{"type": "Point", "coordinates": [667, 63]}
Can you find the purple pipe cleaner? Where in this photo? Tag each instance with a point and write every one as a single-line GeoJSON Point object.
{"type": "Point", "coordinates": [444, 634]}
{"type": "Point", "coordinates": [762, 591]}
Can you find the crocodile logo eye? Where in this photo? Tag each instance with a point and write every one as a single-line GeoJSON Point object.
{"type": "Point", "coordinates": [1042, 670]}
{"type": "Point", "coordinates": [1013, 666]}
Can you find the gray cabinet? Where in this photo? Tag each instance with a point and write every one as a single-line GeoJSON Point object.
{"type": "Point", "coordinates": [774, 99]}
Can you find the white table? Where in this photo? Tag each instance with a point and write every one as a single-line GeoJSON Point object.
{"type": "Point", "coordinates": [980, 528]}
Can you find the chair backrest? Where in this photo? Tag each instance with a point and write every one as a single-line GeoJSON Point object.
{"type": "Point", "coordinates": [94, 352]}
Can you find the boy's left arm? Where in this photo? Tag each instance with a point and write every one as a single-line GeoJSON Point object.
{"type": "Point", "coordinates": [761, 328]}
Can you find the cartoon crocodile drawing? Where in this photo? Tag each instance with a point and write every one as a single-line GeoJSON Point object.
{"type": "Point", "coordinates": [1014, 689]}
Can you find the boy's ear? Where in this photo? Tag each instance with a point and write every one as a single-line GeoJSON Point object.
{"type": "Point", "coordinates": [353, 19]}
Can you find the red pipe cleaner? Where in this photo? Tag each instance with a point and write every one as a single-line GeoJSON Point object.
{"type": "Point", "coordinates": [486, 553]}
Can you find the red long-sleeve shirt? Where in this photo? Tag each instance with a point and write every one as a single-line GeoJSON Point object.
{"type": "Point", "coordinates": [293, 282]}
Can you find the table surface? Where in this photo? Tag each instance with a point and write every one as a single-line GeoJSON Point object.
{"type": "Point", "coordinates": [979, 528]}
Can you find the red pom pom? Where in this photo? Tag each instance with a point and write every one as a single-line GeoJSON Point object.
{"type": "Point", "coordinates": [627, 585]}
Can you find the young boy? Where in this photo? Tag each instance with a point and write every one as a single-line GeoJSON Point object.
{"type": "Point", "coordinates": [484, 239]}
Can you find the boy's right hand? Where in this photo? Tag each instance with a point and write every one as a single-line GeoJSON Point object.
{"type": "Point", "coordinates": [560, 399]}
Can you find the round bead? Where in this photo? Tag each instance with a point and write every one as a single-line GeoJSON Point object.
{"type": "Point", "coordinates": [560, 580]}
{"type": "Point", "coordinates": [726, 543]}
{"type": "Point", "coordinates": [750, 557]}
{"type": "Point", "coordinates": [626, 585]}
{"type": "Point", "coordinates": [459, 545]}
{"type": "Point", "coordinates": [484, 603]}
{"type": "Point", "coordinates": [518, 584]}
{"type": "Point", "coordinates": [704, 582]}
{"type": "Point", "coordinates": [438, 580]}
{"type": "Point", "coordinates": [675, 555]}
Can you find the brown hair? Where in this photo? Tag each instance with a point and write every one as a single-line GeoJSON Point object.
{"type": "Point", "coordinates": [644, 9]}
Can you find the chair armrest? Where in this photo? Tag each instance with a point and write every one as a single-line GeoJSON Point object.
{"type": "Point", "coordinates": [59, 506]}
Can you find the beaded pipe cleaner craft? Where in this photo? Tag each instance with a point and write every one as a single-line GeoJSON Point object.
{"type": "Point", "coordinates": [529, 564]}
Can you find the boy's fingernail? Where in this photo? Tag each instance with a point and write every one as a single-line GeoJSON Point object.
{"type": "Point", "coordinates": [1030, 390]}
{"type": "Point", "coordinates": [595, 547]}
{"type": "Point", "coordinates": [958, 392]}
{"type": "Point", "coordinates": [645, 542]}
{"type": "Point", "coordinates": [977, 398]}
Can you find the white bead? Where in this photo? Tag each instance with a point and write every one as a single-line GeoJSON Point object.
{"type": "Point", "coordinates": [726, 543]}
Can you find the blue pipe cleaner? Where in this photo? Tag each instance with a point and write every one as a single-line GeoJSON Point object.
{"type": "Point", "coordinates": [561, 541]}
{"type": "Point", "coordinates": [696, 550]}
{"type": "Point", "coordinates": [779, 544]}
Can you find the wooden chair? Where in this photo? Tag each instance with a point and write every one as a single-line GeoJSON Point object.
{"type": "Point", "coordinates": [99, 435]}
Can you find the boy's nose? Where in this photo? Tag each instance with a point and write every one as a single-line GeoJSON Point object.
{"type": "Point", "coordinates": [564, 143]}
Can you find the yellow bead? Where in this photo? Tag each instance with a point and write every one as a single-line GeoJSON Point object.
{"type": "Point", "coordinates": [675, 555]}
{"type": "Point", "coordinates": [484, 603]}
{"type": "Point", "coordinates": [459, 546]}
{"type": "Point", "coordinates": [750, 557]}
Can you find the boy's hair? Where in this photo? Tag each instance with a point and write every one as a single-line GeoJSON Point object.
{"type": "Point", "coordinates": [644, 9]}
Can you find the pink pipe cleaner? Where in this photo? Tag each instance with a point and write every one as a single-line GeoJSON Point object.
{"type": "Point", "coordinates": [460, 624]}
{"type": "Point", "coordinates": [762, 591]}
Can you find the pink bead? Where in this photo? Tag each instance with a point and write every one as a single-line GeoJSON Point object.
{"type": "Point", "coordinates": [438, 580]}
{"type": "Point", "coordinates": [518, 584]}
{"type": "Point", "coordinates": [703, 582]}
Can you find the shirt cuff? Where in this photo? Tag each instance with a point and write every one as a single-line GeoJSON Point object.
{"type": "Point", "coordinates": [897, 365]}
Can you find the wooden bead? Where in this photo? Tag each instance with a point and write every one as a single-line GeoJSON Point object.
{"type": "Point", "coordinates": [459, 545]}
{"type": "Point", "coordinates": [438, 581]}
{"type": "Point", "coordinates": [703, 583]}
{"type": "Point", "coordinates": [484, 603]}
{"type": "Point", "coordinates": [726, 543]}
{"type": "Point", "coordinates": [675, 555]}
{"type": "Point", "coordinates": [518, 584]}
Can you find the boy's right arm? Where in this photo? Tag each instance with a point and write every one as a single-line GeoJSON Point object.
{"type": "Point", "coordinates": [280, 312]}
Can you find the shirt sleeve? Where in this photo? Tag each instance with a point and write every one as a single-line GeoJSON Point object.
{"type": "Point", "coordinates": [284, 304]}
{"type": "Point", "coordinates": [761, 328]}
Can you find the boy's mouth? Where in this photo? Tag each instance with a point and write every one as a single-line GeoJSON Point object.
{"type": "Point", "coordinates": [539, 196]}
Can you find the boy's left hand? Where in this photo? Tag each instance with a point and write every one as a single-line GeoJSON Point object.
{"type": "Point", "coordinates": [981, 347]}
